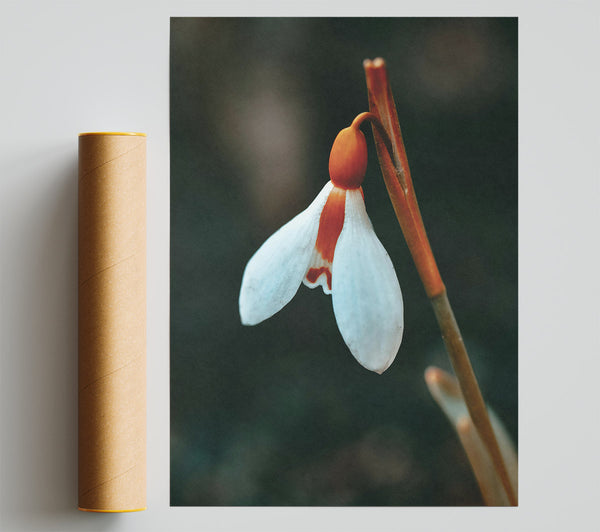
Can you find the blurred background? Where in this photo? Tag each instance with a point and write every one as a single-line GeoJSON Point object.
{"type": "Point", "coordinates": [281, 413]}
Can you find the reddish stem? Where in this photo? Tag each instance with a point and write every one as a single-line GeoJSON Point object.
{"type": "Point", "coordinates": [398, 181]}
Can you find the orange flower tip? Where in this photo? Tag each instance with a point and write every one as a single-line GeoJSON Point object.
{"type": "Point", "coordinates": [314, 273]}
{"type": "Point", "coordinates": [463, 424]}
{"type": "Point", "coordinates": [348, 158]}
{"type": "Point", "coordinates": [433, 375]}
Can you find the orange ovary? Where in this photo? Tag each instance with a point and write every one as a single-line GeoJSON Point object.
{"type": "Point", "coordinates": [348, 158]}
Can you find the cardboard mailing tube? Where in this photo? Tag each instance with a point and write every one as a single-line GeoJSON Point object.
{"type": "Point", "coordinates": [112, 322]}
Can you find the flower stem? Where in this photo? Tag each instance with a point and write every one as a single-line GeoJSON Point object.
{"type": "Point", "coordinates": [398, 181]}
{"type": "Point", "coordinates": [445, 390]}
{"type": "Point", "coordinates": [469, 387]}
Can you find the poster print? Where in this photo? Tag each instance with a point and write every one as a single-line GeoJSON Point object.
{"type": "Point", "coordinates": [274, 405]}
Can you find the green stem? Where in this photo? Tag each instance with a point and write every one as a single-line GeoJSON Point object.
{"type": "Point", "coordinates": [469, 387]}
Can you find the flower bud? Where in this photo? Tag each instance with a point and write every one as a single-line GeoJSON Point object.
{"type": "Point", "coordinates": [348, 158]}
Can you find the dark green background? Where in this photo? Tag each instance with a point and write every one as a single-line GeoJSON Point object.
{"type": "Point", "coordinates": [281, 413]}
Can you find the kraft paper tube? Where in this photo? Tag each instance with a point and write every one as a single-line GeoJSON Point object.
{"type": "Point", "coordinates": [112, 322]}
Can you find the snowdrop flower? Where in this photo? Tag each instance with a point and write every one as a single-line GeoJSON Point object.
{"type": "Point", "coordinates": [332, 244]}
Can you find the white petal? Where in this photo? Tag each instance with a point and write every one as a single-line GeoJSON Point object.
{"type": "Point", "coordinates": [367, 300]}
{"type": "Point", "coordinates": [274, 273]}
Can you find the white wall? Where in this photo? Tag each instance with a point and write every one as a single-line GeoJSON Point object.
{"type": "Point", "coordinates": [68, 67]}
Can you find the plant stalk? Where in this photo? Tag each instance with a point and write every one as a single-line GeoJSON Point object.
{"type": "Point", "coordinates": [398, 181]}
{"type": "Point", "coordinates": [469, 387]}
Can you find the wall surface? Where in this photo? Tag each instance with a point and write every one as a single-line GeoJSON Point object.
{"type": "Point", "coordinates": [69, 67]}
